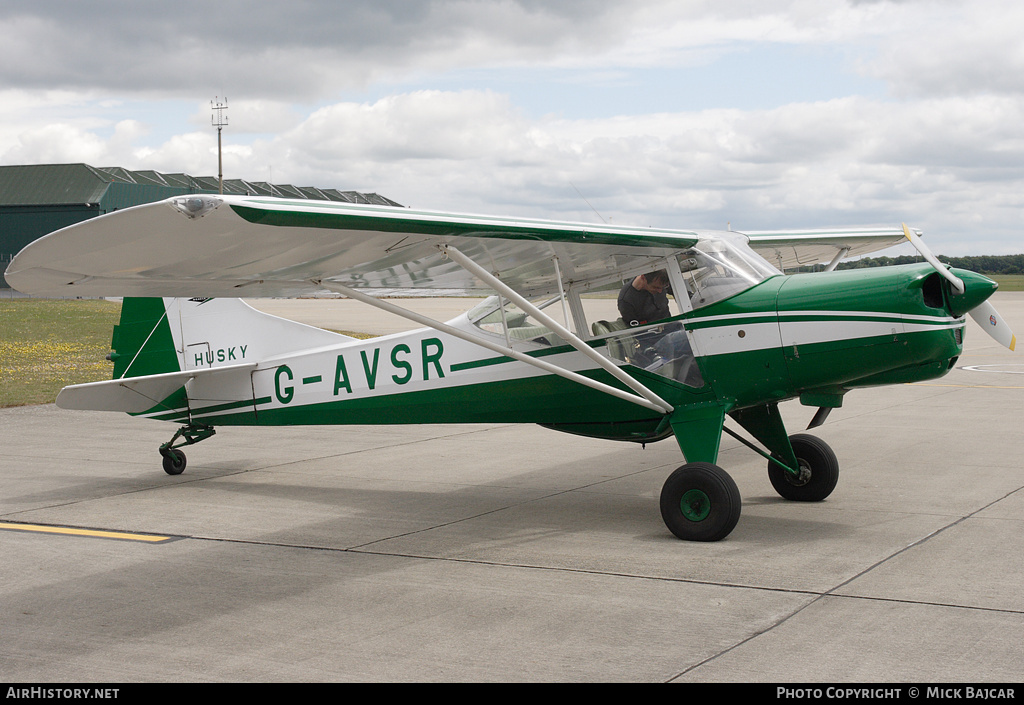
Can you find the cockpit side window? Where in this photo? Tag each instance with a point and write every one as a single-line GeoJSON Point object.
{"type": "Point", "coordinates": [501, 317]}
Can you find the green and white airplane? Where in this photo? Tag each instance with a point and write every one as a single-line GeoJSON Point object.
{"type": "Point", "coordinates": [743, 336]}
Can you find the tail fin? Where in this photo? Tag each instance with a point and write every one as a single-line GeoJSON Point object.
{"type": "Point", "coordinates": [142, 342]}
{"type": "Point", "coordinates": [161, 345]}
{"type": "Point", "coordinates": [156, 336]}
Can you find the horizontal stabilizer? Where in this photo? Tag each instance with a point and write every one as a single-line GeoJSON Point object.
{"type": "Point", "coordinates": [134, 394]}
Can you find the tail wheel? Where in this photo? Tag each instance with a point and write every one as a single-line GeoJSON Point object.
{"type": "Point", "coordinates": [174, 461]}
{"type": "Point", "coordinates": [700, 502]}
{"type": "Point", "coordinates": [819, 471]}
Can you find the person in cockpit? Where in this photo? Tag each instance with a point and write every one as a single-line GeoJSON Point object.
{"type": "Point", "coordinates": [644, 299]}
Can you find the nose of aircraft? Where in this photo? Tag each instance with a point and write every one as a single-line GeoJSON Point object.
{"type": "Point", "coordinates": [974, 300]}
{"type": "Point", "coordinates": [962, 296]}
{"type": "Point", "coordinates": [977, 288]}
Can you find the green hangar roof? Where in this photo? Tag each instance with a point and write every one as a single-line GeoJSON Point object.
{"type": "Point", "coordinates": [65, 184]}
{"type": "Point", "coordinates": [40, 198]}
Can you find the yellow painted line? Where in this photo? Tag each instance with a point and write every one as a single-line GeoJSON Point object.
{"type": "Point", "coordinates": [94, 533]}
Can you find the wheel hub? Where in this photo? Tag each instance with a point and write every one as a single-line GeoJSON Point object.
{"type": "Point", "coordinates": [803, 478]}
{"type": "Point", "coordinates": [695, 505]}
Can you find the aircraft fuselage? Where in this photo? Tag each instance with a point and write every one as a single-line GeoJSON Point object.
{"type": "Point", "coordinates": [808, 336]}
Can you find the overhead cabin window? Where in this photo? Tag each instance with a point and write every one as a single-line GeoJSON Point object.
{"type": "Point", "coordinates": [501, 317]}
{"type": "Point", "coordinates": [717, 269]}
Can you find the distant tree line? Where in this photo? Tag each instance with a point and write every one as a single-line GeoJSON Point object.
{"type": "Point", "coordinates": [983, 264]}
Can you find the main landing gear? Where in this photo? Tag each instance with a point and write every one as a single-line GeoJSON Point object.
{"type": "Point", "coordinates": [700, 501]}
{"type": "Point", "coordinates": [174, 459]}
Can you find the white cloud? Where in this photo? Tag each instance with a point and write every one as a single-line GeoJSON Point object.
{"type": "Point", "coordinates": [942, 150]}
{"type": "Point", "coordinates": [830, 163]}
{"type": "Point", "coordinates": [56, 142]}
{"type": "Point", "coordinates": [251, 117]}
{"type": "Point", "coordinates": [953, 48]}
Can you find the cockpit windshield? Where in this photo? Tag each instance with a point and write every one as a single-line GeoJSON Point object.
{"type": "Point", "coordinates": [717, 269]}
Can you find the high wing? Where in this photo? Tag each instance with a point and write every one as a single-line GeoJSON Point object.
{"type": "Point", "coordinates": [797, 248]}
{"type": "Point", "coordinates": [242, 246]}
{"type": "Point", "coordinates": [236, 246]}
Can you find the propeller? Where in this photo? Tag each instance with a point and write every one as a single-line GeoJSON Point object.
{"type": "Point", "coordinates": [986, 316]}
{"type": "Point", "coordinates": [975, 293]}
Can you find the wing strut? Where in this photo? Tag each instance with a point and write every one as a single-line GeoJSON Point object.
{"type": "Point", "coordinates": [663, 408]}
{"type": "Point", "coordinates": [835, 260]}
{"type": "Point", "coordinates": [567, 335]}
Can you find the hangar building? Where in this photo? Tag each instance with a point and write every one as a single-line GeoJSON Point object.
{"type": "Point", "coordinates": [40, 198]}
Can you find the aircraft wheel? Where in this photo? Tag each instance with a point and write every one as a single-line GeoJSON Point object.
{"type": "Point", "coordinates": [174, 461]}
{"type": "Point", "coordinates": [700, 502]}
{"type": "Point", "coordinates": [819, 471]}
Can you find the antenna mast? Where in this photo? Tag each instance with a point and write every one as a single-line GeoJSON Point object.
{"type": "Point", "coordinates": [219, 120]}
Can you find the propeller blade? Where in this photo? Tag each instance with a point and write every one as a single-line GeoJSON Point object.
{"type": "Point", "coordinates": [986, 316]}
{"type": "Point", "coordinates": [933, 260]}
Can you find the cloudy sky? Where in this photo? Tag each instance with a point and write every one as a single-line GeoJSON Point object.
{"type": "Point", "coordinates": [680, 113]}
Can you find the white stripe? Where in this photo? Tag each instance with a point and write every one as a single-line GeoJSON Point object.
{"type": "Point", "coordinates": [826, 314]}
{"type": "Point", "coordinates": [724, 340]}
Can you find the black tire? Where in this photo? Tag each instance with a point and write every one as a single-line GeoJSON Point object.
{"type": "Point", "coordinates": [174, 461]}
{"type": "Point", "coordinates": [819, 471]}
{"type": "Point", "coordinates": [700, 502]}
